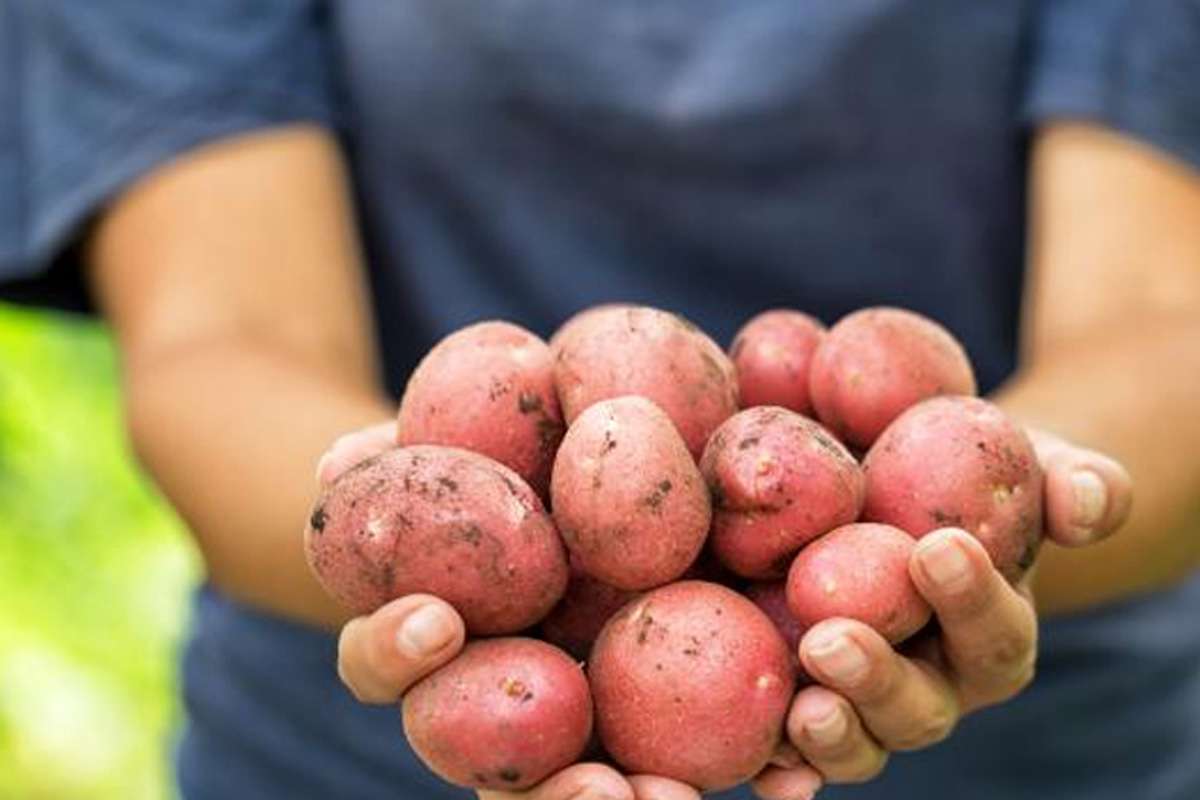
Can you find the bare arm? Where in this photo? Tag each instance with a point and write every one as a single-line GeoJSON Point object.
{"type": "Point", "coordinates": [234, 284]}
{"type": "Point", "coordinates": [1112, 349]}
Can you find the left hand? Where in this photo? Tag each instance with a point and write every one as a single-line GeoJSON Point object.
{"type": "Point", "coordinates": [870, 699]}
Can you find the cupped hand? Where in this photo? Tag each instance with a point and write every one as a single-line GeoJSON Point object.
{"type": "Point", "coordinates": [871, 699]}
{"type": "Point", "coordinates": [383, 654]}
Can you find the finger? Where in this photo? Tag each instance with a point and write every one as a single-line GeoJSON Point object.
{"type": "Point", "coordinates": [652, 787]}
{"type": "Point", "coordinates": [381, 655]}
{"type": "Point", "coordinates": [1087, 495]}
{"type": "Point", "coordinates": [354, 448]}
{"type": "Point", "coordinates": [831, 737]}
{"type": "Point", "coordinates": [989, 628]}
{"type": "Point", "coordinates": [775, 783]}
{"type": "Point", "coordinates": [904, 704]}
{"type": "Point", "coordinates": [580, 782]}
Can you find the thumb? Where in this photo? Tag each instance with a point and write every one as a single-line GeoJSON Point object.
{"type": "Point", "coordinates": [381, 655]}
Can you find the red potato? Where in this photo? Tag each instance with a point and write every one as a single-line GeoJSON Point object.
{"type": "Point", "coordinates": [634, 350]}
{"type": "Point", "coordinates": [772, 354]}
{"type": "Point", "coordinates": [859, 571]}
{"type": "Point", "coordinates": [778, 481]}
{"type": "Point", "coordinates": [440, 520]}
{"type": "Point", "coordinates": [875, 363]}
{"type": "Point", "coordinates": [588, 604]}
{"type": "Point", "coordinates": [504, 714]}
{"type": "Point", "coordinates": [692, 682]}
{"type": "Point", "coordinates": [578, 618]}
{"type": "Point", "coordinates": [489, 388]}
{"type": "Point", "coordinates": [771, 599]}
{"type": "Point", "coordinates": [627, 497]}
{"type": "Point", "coordinates": [960, 462]}
{"type": "Point", "coordinates": [576, 323]}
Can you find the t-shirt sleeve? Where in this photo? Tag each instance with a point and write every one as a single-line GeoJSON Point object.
{"type": "Point", "coordinates": [94, 95]}
{"type": "Point", "coordinates": [1132, 65]}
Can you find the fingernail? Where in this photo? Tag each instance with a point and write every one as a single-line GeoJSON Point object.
{"type": "Point", "coordinates": [945, 563]}
{"type": "Point", "coordinates": [1091, 498]}
{"type": "Point", "coordinates": [839, 657]}
{"type": "Point", "coordinates": [591, 793]}
{"type": "Point", "coordinates": [828, 729]}
{"type": "Point", "coordinates": [424, 632]}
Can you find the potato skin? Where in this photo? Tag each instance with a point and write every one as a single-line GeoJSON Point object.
{"type": "Point", "coordinates": [627, 497]}
{"type": "Point", "coordinates": [772, 354]}
{"type": "Point", "coordinates": [635, 350]}
{"type": "Point", "coordinates": [771, 599]}
{"type": "Point", "coordinates": [960, 462]}
{"type": "Point", "coordinates": [589, 603]}
{"type": "Point", "coordinates": [440, 520]}
{"type": "Point", "coordinates": [858, 571]}
{"type": "Point", "coordinates": [503, 715]}
{"type": "Point", "coordinates": [778, 481]}
{"type": "Point", "coordinates": [576, 323]}
{"type": "Point", "coordinates": [489, 388]}
{"type": "Point", "coordinates": [875, 363]}
{"type": "Point", "coordinates": [578, 618]}
{"type": "Point", "coordinates": [691, 681]}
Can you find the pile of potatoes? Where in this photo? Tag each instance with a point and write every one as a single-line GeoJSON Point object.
{"type": "Point", "coordinates": [637, 527]}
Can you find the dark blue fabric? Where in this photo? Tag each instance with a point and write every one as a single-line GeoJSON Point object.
{"type": "Point", "coordinates": [94, 95]}
{"type": "Point", "coordinates": [525, 158]}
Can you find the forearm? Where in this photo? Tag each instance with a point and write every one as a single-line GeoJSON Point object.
{"type": "Point", "coordinates": [1132, 395]}
{"type": "Point", "coordinates": [231, 432]}
{"type": "Point", "coordinates": [234, 284]}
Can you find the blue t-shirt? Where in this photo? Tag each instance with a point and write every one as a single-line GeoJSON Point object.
{"type": "Point", "coordinates": [525, 158]}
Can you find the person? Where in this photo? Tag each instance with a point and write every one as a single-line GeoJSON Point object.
{"type": "Point", "coordinates": [279, 205]}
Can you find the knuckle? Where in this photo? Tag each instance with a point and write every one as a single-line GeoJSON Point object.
{"type": "Point", "coordinates": [879, 689]}
{"type": "Point", "coordinates": [1020, 681]}
{"type": "Point", "coordinates": [867, 767]}
{"type": "Point", "coordinates": [973, 602]}
{"type": "Point", "coordinates": [935, 726]}
{"type": "Point", "coordinates": [874, 765]}
{"type": "Point", "coordinates": [883, 682]}
{"type": "Point", "coordinates": [845, 750]}
{"type": "Point", "coordinates": [353, 685]}
{"type": "Point", "coordinates": [1002, 691]}
{"type": "Point", "coordinates": [1026, 676]}
{"type": "Point", "coordinates": [1008, 653]}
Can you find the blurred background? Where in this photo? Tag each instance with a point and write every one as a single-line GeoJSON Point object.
{"type": "Point", "coordinates": [95, 572]}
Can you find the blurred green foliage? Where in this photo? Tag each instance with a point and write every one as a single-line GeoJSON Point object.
{"type": "Point", "coordinates": [95, 573]}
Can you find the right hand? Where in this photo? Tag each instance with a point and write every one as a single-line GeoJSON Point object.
{"type": "Point", "coordinates": [381, 655]}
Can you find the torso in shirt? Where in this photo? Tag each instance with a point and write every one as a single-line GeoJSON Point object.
{"type": "Point", "coordinates": [521, 159]}
{"type": "Point", "coordinates": [528, 157]}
